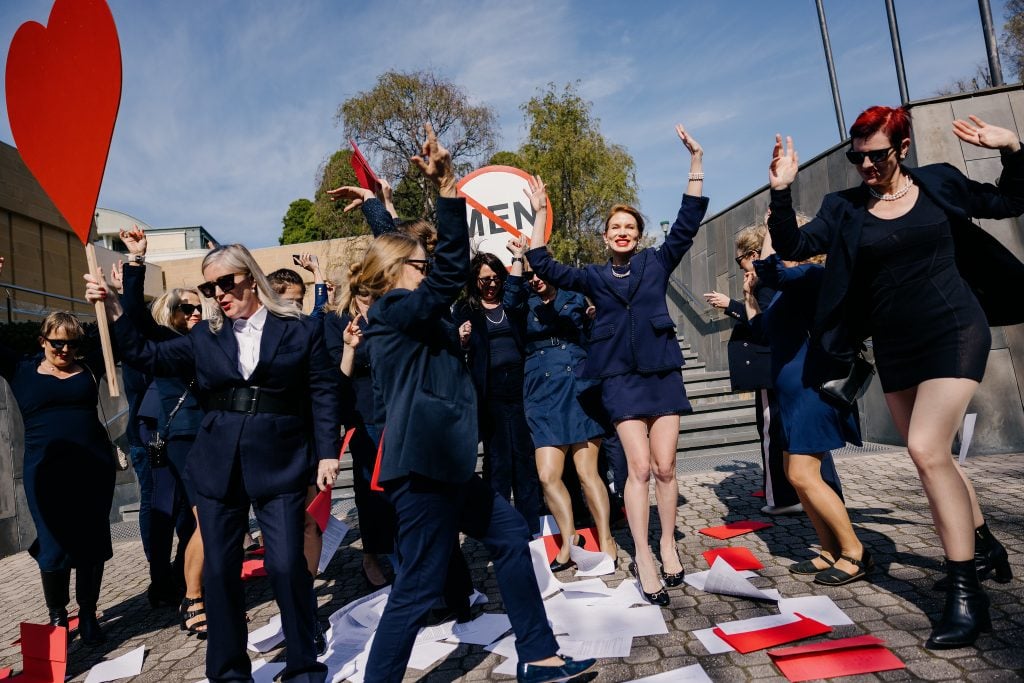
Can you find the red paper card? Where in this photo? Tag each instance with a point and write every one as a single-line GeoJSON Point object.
{"type": "Point", "coordinates": [738, 558]}
{"type": "Point", "coordinates": [44, 653]}
{"type": "Point", "coordinates": [553, 542]}
{"type": "Point", "coordinates": [734, 529]}
{"type": "Point", "coordinates": [776, 635]}
{"type": "Point", "coordinates": [320, 508]}
{"type": "Point", "coordinates": [252, 569]}
{"type": "Point", "coordinates": [4, 674]}
{"type": "Point", "coordinates": [834, 658]}
{"type": "Point", "coordinates": [758, 494]}
{"type": "Point", "coordinates": [364, 174]}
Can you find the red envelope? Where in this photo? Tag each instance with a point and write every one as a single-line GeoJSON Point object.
{"type": "Point", "coordinates": [44, 653]}
{"type": "Point", "coordinates": [734, 529]}
{"type": "Point", "coordinates": [553, 542]}
{"type": "Point", "coordinates": [364, 174]}
{"type": "Point", "coordinates": [776, 635]}
{"type": "Point", "coordinates": [320, 507]}
{"type": "Point", "coordinates": [4, 674]}
{"type": "Point", "coordinates": [252, 569]}
{"type": "Point", "coordinates": [738, 558]}
{"type": "Point", "coordinates": [758, 494]}
{"type": "Point", "coordinates": [833, 658]}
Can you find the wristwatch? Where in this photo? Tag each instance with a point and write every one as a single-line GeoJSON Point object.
{"type": "Point", "coordinates": [517, 258]}
{"type": "Point", "coordinates": [139, 259]}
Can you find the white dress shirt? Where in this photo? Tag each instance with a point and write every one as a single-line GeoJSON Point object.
{"type": "Point", "coordinates": [248, 334]}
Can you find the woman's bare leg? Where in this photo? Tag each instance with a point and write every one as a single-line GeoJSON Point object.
{"type": "Point", "coordinates": [633, 434]}
{"type": "Point", "coordinates": [584, 456]}
{"type": "Point", "coordinates": [550, 465]}
{"type": "Point", "coordinates": [825, 509]}
{"type": "Point", "coordinates": [664, 441]}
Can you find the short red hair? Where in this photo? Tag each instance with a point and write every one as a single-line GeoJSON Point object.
{"type": "Point", "coordinates": [894, 122]}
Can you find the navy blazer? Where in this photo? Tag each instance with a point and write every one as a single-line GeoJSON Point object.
{"type": "Point", "coordinates": [841, 317]}
{"type": "Point", "coordinates": [417, 366]}
{"type": "Point", "coordinates": [274, 453]}
{"type": "Point", "coordinates": [632, 333]}
{"type": "Point", "coordinates": [750, 359]}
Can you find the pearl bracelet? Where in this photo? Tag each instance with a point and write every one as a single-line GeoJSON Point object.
{"type": "Point", "coordinates": [696, 176]}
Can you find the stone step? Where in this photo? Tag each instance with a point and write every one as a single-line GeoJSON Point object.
{"type": "Point", "coordinates": [695, 365]}
{"type": "Point", "coordinates": [719, 420]}
{"type": "Point", "coordinates": [744, 450]}
{"type": "Point", "coordinates": [731, 437]}
{"type": "Point", "coordinates": [700, 373]}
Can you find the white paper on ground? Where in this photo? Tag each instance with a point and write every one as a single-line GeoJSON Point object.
{"type": "Point", "coordinates": [604, 623]}
{"type": "Point", "coordinates": [626, 594]}
{"type": "Point", "coordinates": [591, 563]}
{"type": "Point", "coordinates": [334, 534]}
{"type": "Point", "coordinates": [426, 654]}
{"type": "Point", "coordinates": [266, 638]}
{"type": "Point", "coordinates": [712, 643]}
{"type": "Point", "coordinates": [817, 607]}
{"type": "Point", "coordinates": [508, 667]}
{"type": "Point", "coordinates": [483, 630]}
{"type": "Point", "coordinates": [128, 664]}
{"type": "Point", "coordinates": [586, 587]}
{"type": "Point", "coordinates": [264, 671]}
{"type": "Point", "coordinates": [368, 614]}
{"type": "Point", "coordinates": [432, 634]}
{"type": "Point", "coordinates": [693, 673]}
{"type": "Point", "coordinates": [340, 616]}
{"type": "Point", "coordinates": [723, 579]}
{"type": "Point", "coordinates": [584, 649]}
{"type": "Point", "coordinates": [546, 581]}
{"type": "Point", "coordinates": [478, 598]}
{"type": "Point", "coordinates": [966, 435]}
{"type": "Point", "coordinates": [757, 623]}
{"type": "Point", "coordinates": [699, 579]}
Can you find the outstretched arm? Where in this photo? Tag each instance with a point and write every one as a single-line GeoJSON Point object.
{"type": "Point", "coordinates": [561, 276]}
{"type": "Point", "coordinates": [680, 237]}
{"type": "Point", "coordinates": [1006, 198]}
{"type": "Point", "coordinates": [790, 241]}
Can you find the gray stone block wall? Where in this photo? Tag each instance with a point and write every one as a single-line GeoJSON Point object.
{"type": "Point", "coordinates": [710, 265]}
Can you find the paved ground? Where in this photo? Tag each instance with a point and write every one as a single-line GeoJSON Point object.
{"type": "Point", "coordinates": [886, 505]}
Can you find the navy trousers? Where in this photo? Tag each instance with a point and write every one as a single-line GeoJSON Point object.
{"type": "Point", "coordinates": [510, 462]}
{"type": "Point", "coordinates": [281, 519]}
{"type": "Point", "coordinates": [376, 516]}
{"type": "Point", "coordinates": [430, 516]}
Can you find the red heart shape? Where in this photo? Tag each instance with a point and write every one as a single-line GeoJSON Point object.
{"type": "Point", "coordinates": [63, 90]}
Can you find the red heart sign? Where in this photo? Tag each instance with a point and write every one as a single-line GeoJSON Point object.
{"type": "Point", "coordinates": [63, 91]}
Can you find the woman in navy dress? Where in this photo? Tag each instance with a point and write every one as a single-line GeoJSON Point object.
{"type": "Point", "coordinates": [634, 351]}
{"type": "Point", "coordinates": [810, 426]}
{"type": "Point", "coordinates": [907, 267]}
{"type": "Point", "coordinates": [69, 468]}
{"type": "Point", "coordinates": [561, 408]}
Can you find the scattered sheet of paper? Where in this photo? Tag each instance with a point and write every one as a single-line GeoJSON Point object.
{"type": "Point", "coordinates": [129, 664]}
{"type": "Point", "coordinates": [334, 534]}
{"type": "Point", "coordinates": [426, 654]}
{"type": "Point", "coordinates": [432, 634]}
{"type": "Point", "coordinates": [693, 673]}
{"type": "Point", "coordinates": [757, 623]}
{"type": "Point", "coordinates": [817, 607]}
{"type": "Point", "coordinates": [967, 435]}
{"type": "Point", "coordinates": [591, 563]}
{"type": "Point", "coordinates": [835, 658]}
{"type": "Point", "coordinates": [723, 579]}
{"type": "Point", "coordinates": [368, 614]}
{"type": "Point", "coordinates": [265, 672]}
{"type": "Point", "coordinates": [599, 649]}
{"type": "Point", "coordinates": [626, 594]}
{"type": "Point", "coordinates": [545, 579]}
{"type": "Point", "coordinates": [738, 557]}
{"type": "Point", "coordinates": [712, 643]}
{"type": "Point", "coordinates": [699, 579]}
{"type": "Point", "coordinates": [477, 598]}
{"type": "Point", "coordinates": [734, 529]}
{"type": "Point", "coordinates": [600, 623]}
{"type": "Point", "coordinates": [266, 638]}
{"type": "Point", "coordinates": [483, 630]}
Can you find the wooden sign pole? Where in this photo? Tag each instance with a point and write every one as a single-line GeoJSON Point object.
{"type": "Point", "coordinates": [101, 322]}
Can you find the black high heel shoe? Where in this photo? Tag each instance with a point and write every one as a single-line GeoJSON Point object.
{"type": "Point", "coordinates": [556, 566]}
{"type": "Point", "coordinates": [672, 580]}
{"type": "Point", "coordinates": [195, 628]}
{"type": "Point", "coordinates": [660, 598]}
{"type": "Point", "coordinates": [990, 557]}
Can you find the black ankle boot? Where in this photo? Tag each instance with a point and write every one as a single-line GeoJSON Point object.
{"type": "Point", "coordinates": [87, 591]}
{"type": "Point", "coordinates": [965, 614]}
{"type": "Point", "coordinates": [989, 556]}
{"type": "Point", "coordinates": [56, 593]}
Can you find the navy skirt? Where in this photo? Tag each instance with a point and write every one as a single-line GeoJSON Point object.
{"type": "Point", "coordinates": [635, 395]}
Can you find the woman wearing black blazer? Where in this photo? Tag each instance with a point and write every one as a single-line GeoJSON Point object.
{"type": "Point", "coordinates": [271, 428]}
{"type": "Point", "coordinates": [430, 442]}
{"type": "Point", "coordinates": [907, 267]}
{"type": "Point", "coordinates": [634, 351]}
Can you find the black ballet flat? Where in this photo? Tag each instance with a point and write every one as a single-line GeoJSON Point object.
{"type": "Point", "coordinates": [660, 598]}
{"type": "Point", "coordinates": [557, 566]}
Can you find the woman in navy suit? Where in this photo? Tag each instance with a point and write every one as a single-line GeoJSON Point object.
{"type": "Point", "coordinates": [430, 442]}
{"type": "Point", "coordinates": [271, 398]}
{"type": "Point", "coordinates": [633, 350]}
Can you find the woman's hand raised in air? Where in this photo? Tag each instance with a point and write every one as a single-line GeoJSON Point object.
{"type": "Point", "coordinates": [980, 134]}
{"type": "Point", "coordinates": [435, 162]}
{"type": "Point", "coordinates": [785, 164]}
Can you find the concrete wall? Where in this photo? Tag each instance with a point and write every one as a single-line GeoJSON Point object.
{"type": "Point", "coordinates": [710, 265]}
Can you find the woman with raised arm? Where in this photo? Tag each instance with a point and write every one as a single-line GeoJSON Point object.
{"type": "Point", "coordinates": [634, 351]}
{"type": "Point", "coordinates": [430, 442]}
{"type": "Point", "coordinates": [908, 268]}
{"type": "Point", "coordinates": [271, 428]}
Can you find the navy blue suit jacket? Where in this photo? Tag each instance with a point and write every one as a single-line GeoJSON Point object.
{"type": "Point", "coordinates": [632, 333]}
{"type": "Point", "coordinates": [273, 453]}
{"type": "Point", "coordinates": [417, 366]}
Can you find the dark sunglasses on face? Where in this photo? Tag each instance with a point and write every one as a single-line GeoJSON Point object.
{"type": "Point", "coordinates": [492, 281]}
{"type": "Point", "coordinates": [529, 275]}
{"type": "Point", "coordinates": [189, 309]}
{"type": "Point", "coordinates": [740, 259]}
{"type": "Point", "coordinates": [420, 264]}
{"type": "Point", "coordinates": [876, 156]}
{"type": "Point", "coordinates": [225, 282]}
{"type": "Point", "coordinates": [59, 344]}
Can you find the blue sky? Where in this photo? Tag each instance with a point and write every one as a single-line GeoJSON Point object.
{"type": "Point", "coordinates": [228, 107]}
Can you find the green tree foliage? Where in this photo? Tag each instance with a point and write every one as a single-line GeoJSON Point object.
{"type": "Point", "coordinates": [387, 122]}
{"type": "Point", "coordinates": [585, 174]}
{"type": "Point", "coordinates": [1013, 40]}
{"type": "Point", "coordinates": [323, 219]}
{"type": "Point", "coordinates": [294, 222]}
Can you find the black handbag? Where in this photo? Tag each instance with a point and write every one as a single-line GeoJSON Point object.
{"type": "Point", "coordinates": [156, 449]}
{"type": "Point", "coordinates": [846, 390]}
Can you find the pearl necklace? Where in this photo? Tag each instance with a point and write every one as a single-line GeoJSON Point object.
{"type": "Point", "coordinates": [621, 275]}
{"type": "Point", "coordinates": [895, 195]}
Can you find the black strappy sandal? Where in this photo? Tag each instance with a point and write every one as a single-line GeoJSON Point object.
{"type": "Point", "coordinates": [196, 628]}
{"type": "Point", "coordinates": [837, 577]}
{"type": "Point", "coordinates": [807, 567]}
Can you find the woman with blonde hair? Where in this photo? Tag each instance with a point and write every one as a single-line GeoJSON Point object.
{"type": "Point", "coordinates": [271, 429]}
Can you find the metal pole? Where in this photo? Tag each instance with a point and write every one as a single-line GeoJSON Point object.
{"type": "Point", "coordinates": [897, 52]}
{"type": "Point", "coordinates": [995, 69]}
{"type": "Point", "coordinates": [836, 102]}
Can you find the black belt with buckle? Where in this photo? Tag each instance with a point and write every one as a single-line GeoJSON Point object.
{"type": "Point", "coordinates": [547, 343]}
{"type": "Point", "coordinates": [252, 400]}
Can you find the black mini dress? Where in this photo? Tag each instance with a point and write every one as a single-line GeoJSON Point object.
{"type": "Point", "coordinates": [924, 319]}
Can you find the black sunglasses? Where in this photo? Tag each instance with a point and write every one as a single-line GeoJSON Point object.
{"type": "Point", "coordinates": [59, 344]}
{"type": "Point", "coordinates": [420, 264]}
{"type": "Point", "coordinates": [877, 156]}
{"type": "Point", "coordinates": [189, 309]}
{"type": "Point", "coordinates": [529, 274]}
{"type": "Point", "coordinates": [742, 258]}
{"type": "Point", "coordinates": [225, 282]}
{"type": "Point", "coordinates": [489, 281]}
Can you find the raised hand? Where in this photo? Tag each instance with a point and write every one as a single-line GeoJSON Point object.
{"type": "Point", "coordinates": [465, 330]}
{"type": "Point", "coordinates": [387, 196]}
{"type": "Point", "coordinates": [309, 262]}
{"type": "Point", "coordinates": [96, 290]}
{"type": "Point", "coordinates": [785, 164]}
{"type": "Point", "coordinates": [692, 145]}
{"type": "Point", "coordinates": [517, 246]}
{"type": "Point", "coordinates": [117, 276]}
{"type": "Point", "coordinates": [135, 240]}
{"type": "Point", "coordinates": [536, 193]}
{"type": "Point", "coordinates": [358, 195]}
{"type": "Point", "coordinates": [353, 334]}
{"type": "Point", "coordinates": [717, 299]}
{"type": "Point", "coordinates": [435, 162]}
{"type": "Point", "coordinates": [749, 282]}
{"type": "Point", "coordinates": [980, 134]}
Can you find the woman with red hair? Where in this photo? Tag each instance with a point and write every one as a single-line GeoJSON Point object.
{"type": "Point", "coordinates": [908, 268]}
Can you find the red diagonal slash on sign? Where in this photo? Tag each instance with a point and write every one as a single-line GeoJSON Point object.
{"type": "Point", "coordinates": [490, 214]}
{"type": "Point", "coordinates": [498, 181]}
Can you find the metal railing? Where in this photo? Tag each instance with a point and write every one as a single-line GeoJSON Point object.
{"type": "Point", "coordinates": [40, 310]}
{"type": "Point", "coordinates": [699, 307]}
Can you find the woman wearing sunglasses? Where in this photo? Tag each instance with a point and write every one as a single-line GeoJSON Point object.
{"type": "Point", "coordinates": [172, 315]}
{"type": "Point", "coordinates": [69, 470]}
{"type": "Point", "coordinates": [634, 352]}
{"type": "Point", "coordinates": [908, 268]}
{"type": "Point", "coordinates": [271, 428]}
